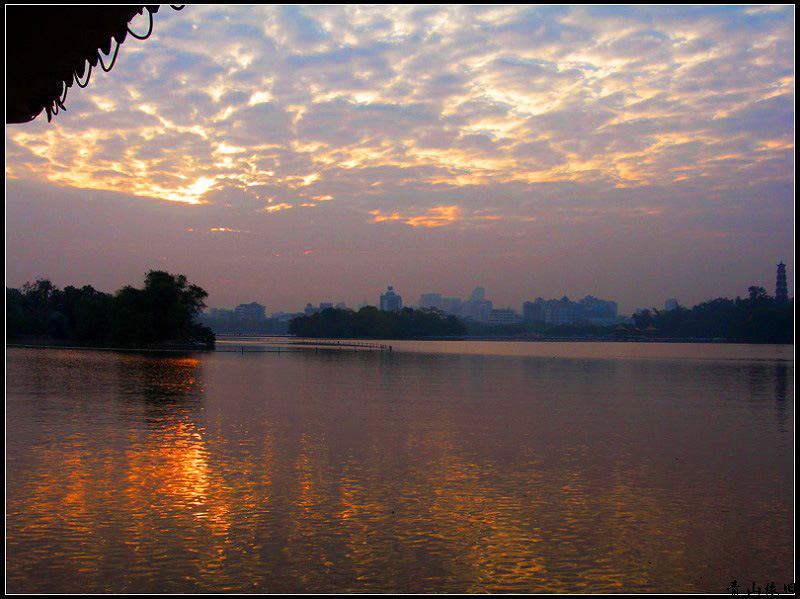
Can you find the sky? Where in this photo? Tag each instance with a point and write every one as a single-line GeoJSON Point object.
{"type": "Point", "coordinates": [293, 154]}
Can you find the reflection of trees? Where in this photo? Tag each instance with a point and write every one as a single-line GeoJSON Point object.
{"type": "Point", "coordinates": [770, 383]}
{"type": "Point", "coordinates": [160, 380]}
{"type": "Point", "coordinates": [781, 392]}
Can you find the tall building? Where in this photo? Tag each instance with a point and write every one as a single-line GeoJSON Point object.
{"type": "Point", "coordinates": [430, 300]}
{"type": "Point", "coordinates": [781, 290]}
{"type": "Point", "coordinates": [477, 307]}
{"type": "Point", "coordinates": [553, 311]}
{"type": "Point", "coordinates": [390, 301]}
{"type": "Point", "coordinates": [671, 304]}
{"type": "Point", "coordinates": [452, 306]}
{"type": "Point", "coordinates": [596, 311]}
{"type": "Point", "coordinates": [251, 311]}
{"type": "Point", "coordinates": [533, 311]}
{"type": "Point", "coordinates": [563, 311]}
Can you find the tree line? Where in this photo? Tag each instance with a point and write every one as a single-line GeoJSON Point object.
{"type": "Point", "coordinates": [164, 311]}
{"type": "Point", "coordinates": [758, 318]}
{"type": "Point", "coordinates": [371, 323]}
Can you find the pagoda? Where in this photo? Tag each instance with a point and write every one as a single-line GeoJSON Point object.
{"type": "Point", "coordinates": [781, 292]}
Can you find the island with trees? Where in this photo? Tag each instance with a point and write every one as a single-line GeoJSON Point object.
{"type": "Point", "coordinates": [162, 314]}
{"type": "Point", "coordinates": [371, 323]}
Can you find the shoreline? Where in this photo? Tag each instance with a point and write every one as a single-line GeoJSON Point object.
{"type": "Point", "coordinates": [306, 341]}
{"type": "Point", "coordinates": [576, 339]}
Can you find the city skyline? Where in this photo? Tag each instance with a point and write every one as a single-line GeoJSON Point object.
{"type": "Point", "coordinates": [431, 298]}
{"type": "Point", "coordinates": [290, 154]}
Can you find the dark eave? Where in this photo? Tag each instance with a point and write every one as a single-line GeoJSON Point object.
{"type": "Point", "coordinates": [49, 49]}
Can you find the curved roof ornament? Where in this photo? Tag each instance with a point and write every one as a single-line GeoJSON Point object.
{"type": "Point", "coordinates": [48, 48]}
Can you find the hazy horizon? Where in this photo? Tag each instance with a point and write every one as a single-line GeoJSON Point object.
{"type": "Point", "coordinates": [287, 155]}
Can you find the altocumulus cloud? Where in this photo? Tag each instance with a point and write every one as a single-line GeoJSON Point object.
{"type": "Point", "coordinates": [456, 95]}
{"type": "Point", "coordinates": [436, 119]}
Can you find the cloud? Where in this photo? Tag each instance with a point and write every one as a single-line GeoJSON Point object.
{"type": "Point", "coordinates": [303, 29]}
{"type": "Point", "coordinates": [401, 110]}
{"type": "Point", "coordinates": [438, 216]}
{"type": "Point", "coordinates": [263, 124]}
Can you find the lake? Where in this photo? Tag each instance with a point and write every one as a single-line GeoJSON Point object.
{"type": "Point", "coordinates": [437, 467]}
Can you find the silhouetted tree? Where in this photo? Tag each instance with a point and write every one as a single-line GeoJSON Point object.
{"type": "Point", "coordinates": [165, 310]}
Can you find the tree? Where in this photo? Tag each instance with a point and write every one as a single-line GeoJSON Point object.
{"type": "Point", "coordinates": [165, 310]}
{"type": "Point", "coordinates": [755, 319]}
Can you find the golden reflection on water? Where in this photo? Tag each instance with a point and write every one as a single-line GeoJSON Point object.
{"type": "Point", "coordinates": [211, 475]}
{"type": "Point", "coordinates": [477, 521]}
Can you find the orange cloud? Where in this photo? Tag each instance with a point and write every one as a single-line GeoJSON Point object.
{"type": "Point", "coordinates": [438, 216]}
{"type": "Point", "coordinates": [277, 207]}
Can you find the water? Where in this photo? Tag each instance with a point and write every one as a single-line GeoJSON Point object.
{"type": "Point", "coordinates": [444, 467]}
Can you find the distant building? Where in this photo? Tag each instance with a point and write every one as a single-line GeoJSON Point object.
{"type": "Point", "coordinates": [390, 301]}
{"type": "Point", "coordinates": [477, 307]}
{"type": "Point", "coordinates": [563, 311]}
{"type": "Point", "coordinates": [251, 312]}
{"type": "Point", "coordinates": [430, 300]}
{"type": "Point", "coordinates": [671, 304]}
{"type": "Point", "coordinates": [309, 309]}
{"type": "Point", "coordinates": [452, 306]}
{"type": "Point", "coordinates": [222, 314]}
{"type": "Point", "coordinates": [478, 294]}
{"type": "Point", "coordinates": [504, 316]}
{"type": "Point", "coordinates": [533, 311]}
{"type": "Point", "coordinates": [596, 311]}
{"type": "Point", "coordinates": [284, 316]}
{"type": "Point", "coordinates": [781, 289]}
{"type": "Point", "coordinates": [553, 311]}
{"type": "Point", "coordinates": [325, 305]}
{"type": "Point", "coordinates": [590, 309]}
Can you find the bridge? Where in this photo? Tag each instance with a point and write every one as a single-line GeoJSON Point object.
{"type": "Point", "coordinates": [256, 343]}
